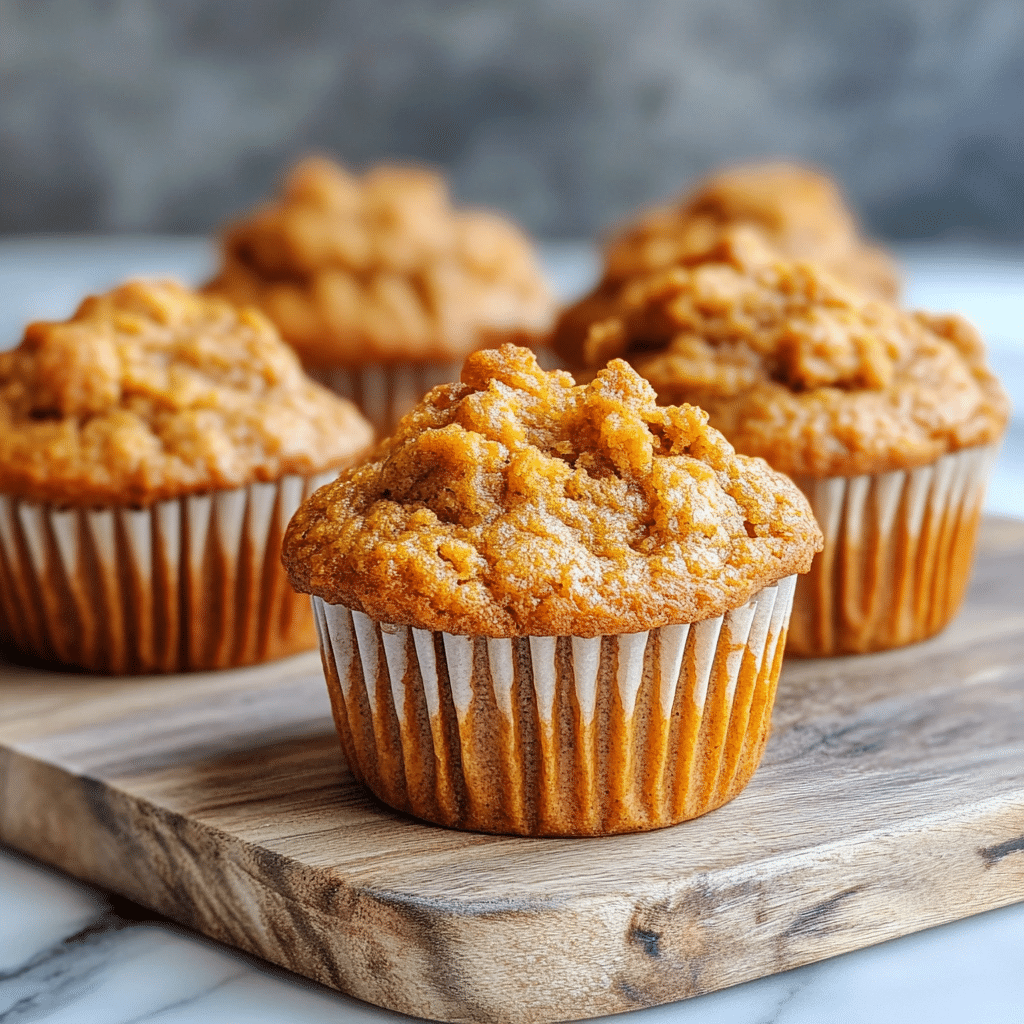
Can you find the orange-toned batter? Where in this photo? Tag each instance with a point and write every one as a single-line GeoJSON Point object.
{"type": "Point", "coordinates": [518, 503]}
{"type": "Point", "coordinates": [797, 211]}
{"type": "Point", "coordinates": [382, 268]}
{"type": "Point", "coordinates": [152, 391]}
{"type": "Point", "coordinates": [793, 366]}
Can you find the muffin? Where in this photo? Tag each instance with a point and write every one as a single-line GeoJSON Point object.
{"type": "Point", "coordinates": [152, 449]}
{"type": "Point", "coordinates": [888, 421]}
{"type": "Point", "coordinates": [379, 284]}
{"type": "Point", "coordinates": [797, 211]}
{"type": "Point", "coordinates": [551, 609]}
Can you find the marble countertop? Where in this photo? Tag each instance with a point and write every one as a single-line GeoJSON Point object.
{"type": "Point", "coordinates": [70, 954]}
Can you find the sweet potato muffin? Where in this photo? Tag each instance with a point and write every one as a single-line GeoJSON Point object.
{"type": "Point", "coordinates": [797, 211]}
{"type": "Point", "coordinates": [577, 598]}
{"type": "Point", "coordinates": [886, 418]}
{"type": "Point", "coordinates": [152, 447]}
{"type": "Point", "coordinates": [379, 284]}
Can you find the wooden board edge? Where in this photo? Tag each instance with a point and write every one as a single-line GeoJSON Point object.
{"type": "Point", "coordinates": [526, 962]}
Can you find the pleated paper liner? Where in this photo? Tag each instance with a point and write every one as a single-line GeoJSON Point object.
{"type": "Point", "coordinates": [898, 553]}
{"type": "Point", "coordinates": [384, 393]}
{"type": "Point", "coordinates": [556, 735]}
{"type": "Point", "coordinates": [186, 584]}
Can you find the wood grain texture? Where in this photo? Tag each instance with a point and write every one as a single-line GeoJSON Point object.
{"type": "Point", "coordinates": [891, 798]}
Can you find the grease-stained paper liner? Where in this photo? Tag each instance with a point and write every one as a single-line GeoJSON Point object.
{"type": "Point", "coordinates": [897, 557]}
{"type": "Point", "coordinates": [190, 583]}
{"type": "Point", "coordinates": [382, 392]}
{"type": "Point", "coordinates": [556, 735]}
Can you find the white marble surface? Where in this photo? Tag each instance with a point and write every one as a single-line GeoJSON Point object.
{"type": "Point", "coordinates": [70, 954]}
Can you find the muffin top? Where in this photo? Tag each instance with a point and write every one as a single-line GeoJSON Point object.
{"type": "Point", "coordinates": [798, 212]}
{"type": "Point", "coordinates": [518, 503]}
{"type": "Point", "coordinates": [152, 391]}
{"type": "Point", "coordinates": [793, 366]}
{"type": "Point", "coordinates": [382, 268]}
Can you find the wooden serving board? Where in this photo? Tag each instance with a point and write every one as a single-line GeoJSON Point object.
{"type": "Point", "coordinates": [891, 798]}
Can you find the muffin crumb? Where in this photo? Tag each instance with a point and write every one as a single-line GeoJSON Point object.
{"type": "Point", "coordinates": [785, 209]}
{"type": "Point", "coordinates": [382, 268]}
{"type": "Point", "coordinates": [152, 391]}
{"type": "Point", "coordinates": [519, 503]}
{"type": "Point", "coordinates": [793, 366]}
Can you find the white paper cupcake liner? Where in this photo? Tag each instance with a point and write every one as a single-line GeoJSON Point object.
{"type": "Point", "coordinates": [897, 558]}
{"type": "Point", "coordinates": [384, 393]}
{"type": "Point", "coordinates": [556, 735]}
{"type": "Point", "coordinates": [190, 583]}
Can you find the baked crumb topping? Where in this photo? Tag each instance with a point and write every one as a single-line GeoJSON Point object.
{"type": "Point", "coordinates": [795, 211]}
{"type": "Point", "coordinates": [799, 212]}
{"type": "Point", "coordinates": [518, 503]}
{"type": "Point", "coordinates": [382, 268]}
{"type": "Point", "coordinates": [793, 366]}
{"type": "Point", "coordinates": [152, 391]}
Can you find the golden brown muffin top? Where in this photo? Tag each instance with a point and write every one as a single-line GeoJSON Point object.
{"type": "Point", "coordinates": [797, 211]}
{"type": "Point", "coordinates": [382, 268]}
{"type": "Point", "coordinates": [152, 391]}
{"type": "Point", "coordinates": [518, 503]}
{"type": "Point", "coordinates": [793, 366]}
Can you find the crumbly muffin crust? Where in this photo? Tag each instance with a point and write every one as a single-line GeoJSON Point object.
{"type": "Point", "coordinates": [382, 268]}
{"type": "Point", "coordinates": [152, 391]}
{"type": "Point", "coordinates": [517, 503]}
{"type": "Point", "coordinates": [799, 211]}
{"type": "Point", "coordinates": [795, 210]}
{"type": "Point", "coordinates": [793, 366]}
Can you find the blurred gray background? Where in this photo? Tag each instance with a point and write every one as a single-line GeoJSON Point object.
{"type": "Point", "coordinates": [171, 115]}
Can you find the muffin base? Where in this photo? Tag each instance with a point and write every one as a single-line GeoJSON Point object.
{"type": "Point", "coordinates": [186, 584]}
{"type": "Point", "coordinates": [897, 559]}
{"type": "Point", "coordinates": [550, 736]}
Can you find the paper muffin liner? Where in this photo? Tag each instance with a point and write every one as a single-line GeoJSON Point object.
{"type": "Point", "coordinates": [384, 392]}
{"type": "Point", "coordinates": [897, 558]}
{"type": "Point", "coordinates": [185, 584]}
{"type": "Point", "coordinates": [556, 735]}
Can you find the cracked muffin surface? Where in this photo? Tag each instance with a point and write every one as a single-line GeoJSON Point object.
{"type": "Point", "coordinates": [519, 503]}
{"type": "Point", "coordinates": [152, 391]}
{"type": "Point", "coordinates": [792, 365]}
{"type": "Point", "coordinates": [382, 268]}
{"type": "Point", "coordinates": [796, 211]}
{"type": "Point", "coordinates": [800, 212]}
